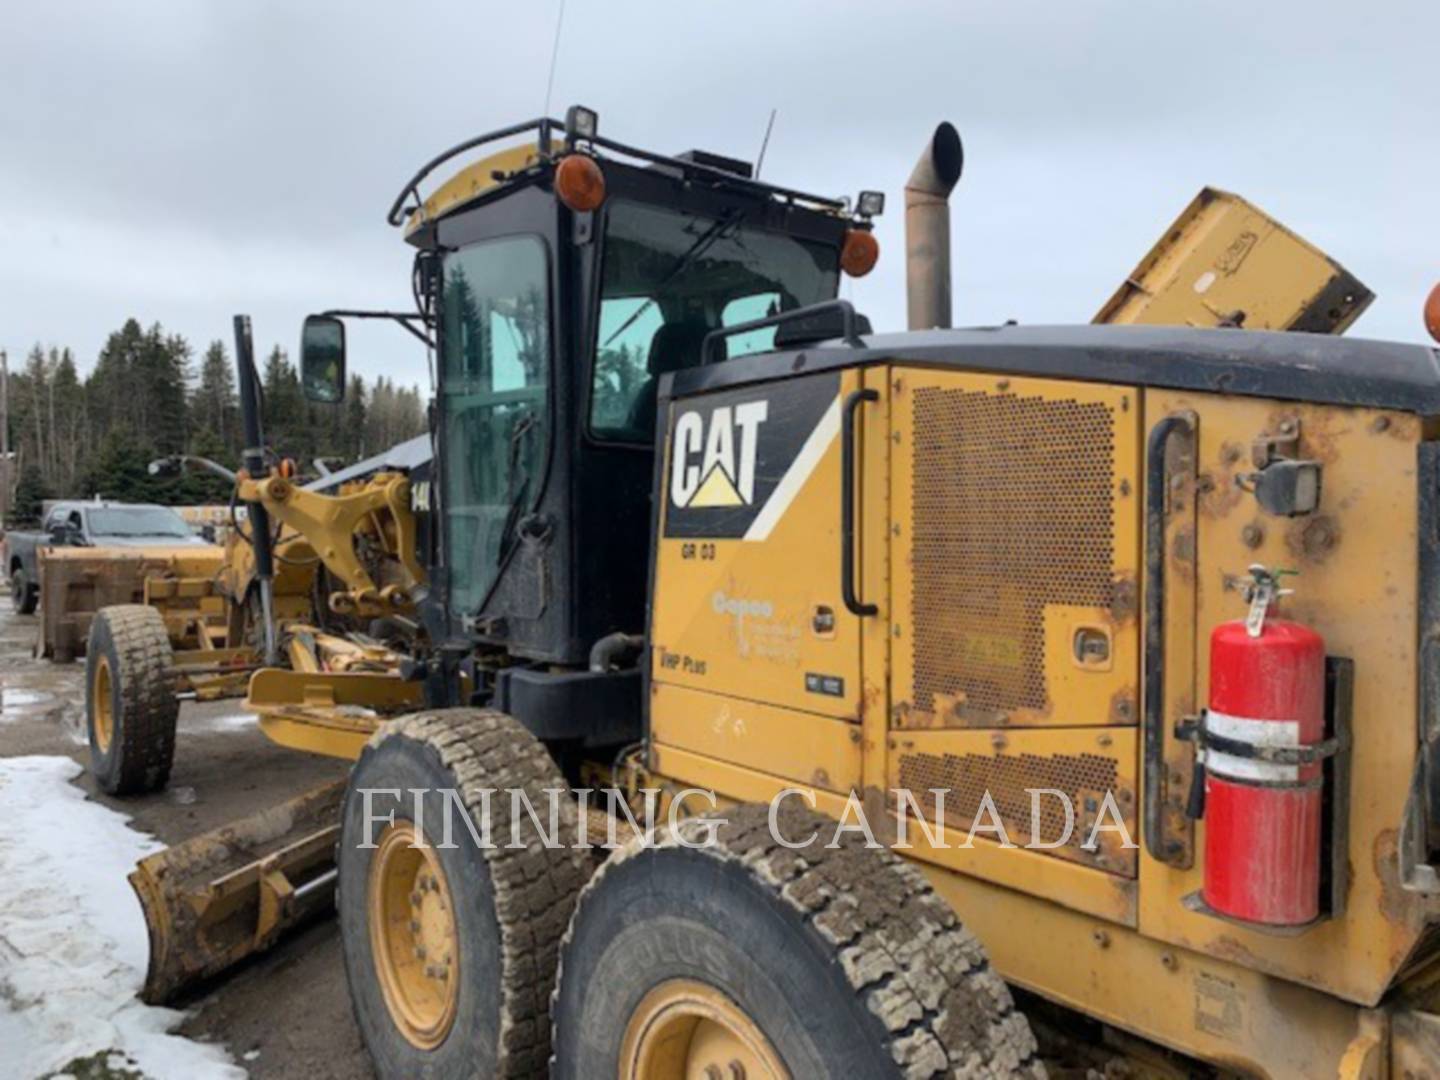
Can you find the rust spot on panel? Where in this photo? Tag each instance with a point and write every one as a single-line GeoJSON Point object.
{"type": "Point", "coordinates": [1122, 706]}
{"type": "Point", "coordinates": [1401, 426]}
{"type": "Point", "coordinates": [1219, 494]}
{"type": "Point", "coordinates": [1182, 553]}
{"type": "Point", "coordinates": [821, 779]}
{"type": "Point", "coordinates": [1252, 535]}
{"type": "Point", "coordinates": [871, 697]}
{"type": "Point", "coordinates": [1395, 902]}
{"type": "Point", "coordinates": [1319, 434]}
{"type": "Point", "coordinates": [1312, 539]}
{"type": "Point", "coordinates": [1229, 948]}
{"type": "Point", "coordinates": [1123, 603]}
{"type": "Point", "coordinates": [898, 712]}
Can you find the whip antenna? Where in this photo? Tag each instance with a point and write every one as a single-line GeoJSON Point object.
{"type": "Point", "coordinates": [554, 56]}
{"type": "Point", "coordinates": [765, 142]}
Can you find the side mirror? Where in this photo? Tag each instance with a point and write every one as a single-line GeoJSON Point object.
{"type": "Point", "coordinates": [59, 535]}
{"type": "Point", "coordinates": [322, 359]}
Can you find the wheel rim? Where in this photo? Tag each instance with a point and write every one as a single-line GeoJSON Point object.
{"type": "Point", "coordinates": [412, 937]}
{"type": "Point", "coordinates": [686, 1030]}
{"type": "Point", "coordinates": [102, 705]}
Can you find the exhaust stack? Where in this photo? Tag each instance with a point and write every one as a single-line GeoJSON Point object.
{"type": "Point", "coordinates": [927, 229]}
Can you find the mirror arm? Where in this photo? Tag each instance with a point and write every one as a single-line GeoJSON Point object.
{"type": "Point", "coordinates": [405, 318]}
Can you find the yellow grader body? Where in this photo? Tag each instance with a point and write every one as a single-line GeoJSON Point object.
{"type": "Point", "coordinates": [965, 678]}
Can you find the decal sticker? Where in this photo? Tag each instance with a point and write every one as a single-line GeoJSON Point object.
{"type": "Point", "coordinates": [738, 458]}
{"type": "Point", "coordinates": [832, 685]}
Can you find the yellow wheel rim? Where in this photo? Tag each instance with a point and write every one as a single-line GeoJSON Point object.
{"type": "Point", "coordinates": [104, 710]}
{"type": "Point", "coordinates": [412, 937]}
{"type": "Point", "coordinates": [686, 1030]}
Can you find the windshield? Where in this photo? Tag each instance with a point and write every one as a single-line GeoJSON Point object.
{"type": "Point", "coordinates": [669, 278]}
{"type": "Point", "coordinates": [137, 521]}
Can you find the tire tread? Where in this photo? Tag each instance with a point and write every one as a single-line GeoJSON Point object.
{"type": "Point", "coordinates": [922, 976]}
{"type": "Point", "coordinates": [144, 725]}
{"type": "Point", "coordinates": [535, 887]}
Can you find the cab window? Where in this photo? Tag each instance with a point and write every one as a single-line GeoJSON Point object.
{"type": "Point", "coordinates": [494, 385]}
{"type": "Point", "coordinates": [669, 278]}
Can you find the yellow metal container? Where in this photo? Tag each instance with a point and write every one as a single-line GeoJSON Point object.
{"type": "Point", "coordinates": [1225, 262]}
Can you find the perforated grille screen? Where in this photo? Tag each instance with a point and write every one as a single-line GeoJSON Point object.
{"type": "Point", "coordinates": [1013, 510]}
{"type": "Point", "coordinates": [1084, 778]}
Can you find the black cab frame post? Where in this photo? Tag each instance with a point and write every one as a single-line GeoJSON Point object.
{"type": "Point", "coordinates": [253, 459]}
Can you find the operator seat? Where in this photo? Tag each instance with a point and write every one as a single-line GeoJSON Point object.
{"type": "Point", "coordinates": [675, 345]}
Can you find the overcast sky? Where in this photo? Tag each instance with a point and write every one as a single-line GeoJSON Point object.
{"type": "Point", "coordinates": [184, 161]}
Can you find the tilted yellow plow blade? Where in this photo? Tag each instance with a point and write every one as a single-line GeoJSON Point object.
{"type": "Point", "coordinates": [220, 896]}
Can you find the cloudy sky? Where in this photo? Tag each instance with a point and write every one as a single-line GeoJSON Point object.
{"type": "Point", "coordinates": [182, 161]}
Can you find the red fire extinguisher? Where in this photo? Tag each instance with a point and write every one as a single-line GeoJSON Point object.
{"type": "Point", "coordinates": [1263, 743]}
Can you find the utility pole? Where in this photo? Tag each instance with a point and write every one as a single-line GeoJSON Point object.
{"type": "Point", "coordinates": [4, 437]}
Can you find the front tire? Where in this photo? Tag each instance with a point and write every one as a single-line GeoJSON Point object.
{"type": "Point", "coordinates": [745, 958]}
{"type": "Point", "coordinates": [130, 703]}
{"type": "Point", "coordinates": [24, 596]}
{"type": "Point", "coordinates": [450, 951]}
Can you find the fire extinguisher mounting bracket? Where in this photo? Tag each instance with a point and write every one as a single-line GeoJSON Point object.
{"type": "Point", "coordinates": [1193, 729]}
{"type": "Point", "coordinates": [1195, 902]}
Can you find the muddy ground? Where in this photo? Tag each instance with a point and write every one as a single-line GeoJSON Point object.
{"type": "Point", "coordinates": [290, 1005]}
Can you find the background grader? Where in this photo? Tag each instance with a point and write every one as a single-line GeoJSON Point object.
{"type": "Point", "coordinates": [284, 615]}
{"type": "Point", "coordinates": [694, 525]}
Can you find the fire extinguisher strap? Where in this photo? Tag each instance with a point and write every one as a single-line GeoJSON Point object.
{"type": "Point", "coordinates": [1242, 748]}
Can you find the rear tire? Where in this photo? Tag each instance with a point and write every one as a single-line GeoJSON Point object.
{"type": "Point", "coordinates": [487, 919]}
{"type": "Point", "coordinates": [743, 957]}
{"type": "Point", "coordinates": [24, 596]}
{"type": "Point", "coordinates": [130, 702]}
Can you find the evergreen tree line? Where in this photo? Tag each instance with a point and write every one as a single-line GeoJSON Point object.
{"type": "Point", "coordinates": [145, 399]}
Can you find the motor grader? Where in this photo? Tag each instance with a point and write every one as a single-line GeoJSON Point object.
{"type": "Point", "coordinates": [698, 529]}
{"type": "Point", "coordinates": [696, 524]}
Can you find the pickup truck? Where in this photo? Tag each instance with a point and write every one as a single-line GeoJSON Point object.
{"type": "Point", "coordinates": [89, 524]}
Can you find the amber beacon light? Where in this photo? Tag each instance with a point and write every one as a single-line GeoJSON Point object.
{"type": "Point", "coordinates": [860, 252]}
{"type": "Point", "coordinates": [1432, 313]}
{"type": "Point", "coordinates": [580, 183]}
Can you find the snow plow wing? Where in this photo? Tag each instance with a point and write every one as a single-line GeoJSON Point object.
{"type": "Point", "coordinates": [223, 895]}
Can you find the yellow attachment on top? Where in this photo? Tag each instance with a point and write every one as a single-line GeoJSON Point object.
{"type": "Point", "coordinates": [476, 179]}
{"type": "Point", "coordinates": [1225, 262]}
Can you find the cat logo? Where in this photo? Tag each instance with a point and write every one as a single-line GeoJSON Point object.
{"type": "Point", "coordinates": [714, 456]}
{"type": "Point", "coordinates": [739, 457]}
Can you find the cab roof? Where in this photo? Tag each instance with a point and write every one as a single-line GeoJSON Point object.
{"type": "Point", "coordinates": [544, 141]}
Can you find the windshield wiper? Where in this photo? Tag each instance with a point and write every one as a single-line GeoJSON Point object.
{"type": "Point", "coordinates": [517, 481]}
{"type": "Point", "coordinates": [702, 244]}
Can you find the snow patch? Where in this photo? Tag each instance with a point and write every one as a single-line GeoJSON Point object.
{"type": "Point", "coordinates": [13, 699]}
{"type": "Point", "coordinates": [220, 724]}
{"type": "Point", "coordinates": [73, 947]}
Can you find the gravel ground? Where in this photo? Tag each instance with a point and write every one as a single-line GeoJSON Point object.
{"type": "Point", "coordinates": [282, 1014]}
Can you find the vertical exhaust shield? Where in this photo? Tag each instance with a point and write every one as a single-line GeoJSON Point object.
{"type": "Point", "coordinates": [927, 229]}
